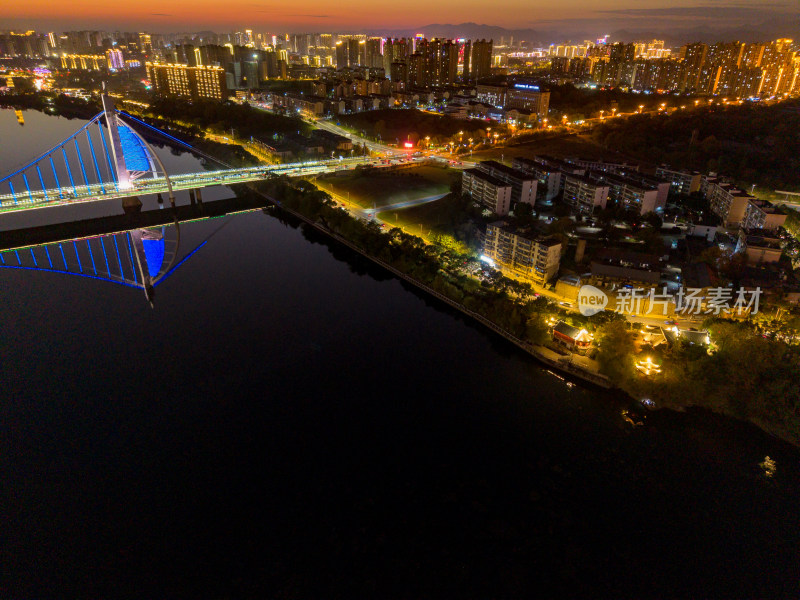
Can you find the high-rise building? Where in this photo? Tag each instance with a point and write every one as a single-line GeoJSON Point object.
{"type": "Point", "coordinates": [354, 52]}
{"type": "Point", "coordinates": [115, 59]}
{"type": "Point", "coordinates": [145, 43]}
{"type": "Point", "coordinates": [466, 52]}
{"type": "Point", "coordinates": [448, 63]}
{"type": "Point", "coordinates": [481, 60]}
{"type": "Point", "coordinates": [692, 67]}
{"type": "Point", "coordinates": [191, 82]}
{"type": "Point", "coordinates": [342, 54]}
{"type": "Point", "coordinates": [374, 52]}
{"type": "Point", "coordinates": [419, 74]}
{"type": "Point", "coordinates": [395, 50]}
{"type": "Point", "coordinates": [398, 73]}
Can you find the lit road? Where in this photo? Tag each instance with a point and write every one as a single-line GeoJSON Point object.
{"type": "Point", "coordinates": [357, 139]}
{"type": "Point", "coordinates": [405, 204]}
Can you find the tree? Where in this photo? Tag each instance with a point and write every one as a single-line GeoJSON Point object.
{"type": "Point", "coordinates": [653, 242]}
{"type": "Point", "coordinates": [537, 330]}
{"type": "Point", "coordinates": [653, 220]}
{"type": "Point", "coordinates": [615, 351]}
{"type": "Point", "coordinates": [523, 213]}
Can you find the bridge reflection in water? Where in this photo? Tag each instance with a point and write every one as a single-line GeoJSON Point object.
{"type": "Point", "coordinates": [139, 257]}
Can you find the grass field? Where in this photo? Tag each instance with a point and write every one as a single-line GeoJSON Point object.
{"type": "Point", "coordinates": [380, 189]}
{"type": "Point", "coordinates": [440, 220]}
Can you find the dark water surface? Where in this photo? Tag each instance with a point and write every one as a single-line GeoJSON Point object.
{"type": "Point", "coordinates": [288, 421]}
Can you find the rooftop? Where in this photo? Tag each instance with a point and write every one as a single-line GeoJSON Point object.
{"type": "Point", "coordinates": [572, 332]}
{"type": "Point", "coordinates": [525, 232]}
{"type": "Point", "coordinates": [757, 241]}
{"type": "Point", "coordinates": [766, 207]}
{"type": "Point", "coordinates": [493, 164]}
{"type": "Point", "coordinates": [486, 177]}
{"type": "Point", "coordinates": [644, 183]}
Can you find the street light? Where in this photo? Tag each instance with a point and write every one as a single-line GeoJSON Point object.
{"type": "Point", "coordinates": [641, 106]}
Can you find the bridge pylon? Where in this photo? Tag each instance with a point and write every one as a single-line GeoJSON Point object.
{"type": "Point", "coordinates": [118, 157]}
{"type": "Point", "coordinates": [126, 177]}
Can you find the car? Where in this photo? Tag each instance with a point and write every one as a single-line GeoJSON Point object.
{"type": "Point", "coordinates": [567, 304]}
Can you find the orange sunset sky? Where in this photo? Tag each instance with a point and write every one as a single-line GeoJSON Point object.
{"type": "Point", "coordinates": [325, 15]}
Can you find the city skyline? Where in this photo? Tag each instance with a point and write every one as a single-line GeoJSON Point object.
{"type": "Point", "coordinates": [319, 16]}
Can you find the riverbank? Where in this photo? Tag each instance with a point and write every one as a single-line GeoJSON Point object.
{"type": "Point", "coordinates": [306, 207]}
{"type": "Point", "coordinates": [539, 352]}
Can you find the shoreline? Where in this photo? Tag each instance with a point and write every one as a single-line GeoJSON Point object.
{"type": "Point", "coordinates": [570, 370]}
{"type": "Point", "coordinates": [531, 349]}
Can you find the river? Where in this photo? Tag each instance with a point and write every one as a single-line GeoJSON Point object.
{"type": "Point", "coordinates": [288, 420]}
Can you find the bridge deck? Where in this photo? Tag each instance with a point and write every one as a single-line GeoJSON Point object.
{"type": "Point", "coordinates": [158, 185]}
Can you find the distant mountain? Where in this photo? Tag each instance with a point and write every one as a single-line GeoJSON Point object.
{"type": "Point", "coordinates": [582, 29]}
{"type": "Point", "coordinates": [757, 32]}
{"type": "Point", "coordinates": [472, 31]}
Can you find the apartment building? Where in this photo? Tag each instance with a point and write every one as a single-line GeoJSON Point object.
{"type": "Point", "coordinates": [591, 164]}
{"type": "Point", "coordinates": [683, 181]}
{"type": "Point", "coordinates": [487, 190]}
{"type": "Point", "coordinates": [760, 214]}
{"type": "Point", "coordinates": [523, 185]}
{"type": "Point", "coordinates": [636, 192]}
{"type": "Point", "coordinates": [522, 251]}
{"type": "Point", "coordinates": [585, 192]}
{"type": "Point", "coordinates": [549, 174]}
{"type": "Point", "coordinates": [727, 201]}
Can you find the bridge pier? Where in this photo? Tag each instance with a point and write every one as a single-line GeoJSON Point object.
{"type": "Point", "coordinates": [199, 193]}
{"type": "Point", "coordinates": [192, 199]}
{"type": "Point", "coordinates": [160, 198]}
{"type": "Point", "coordinates": [131, 205]}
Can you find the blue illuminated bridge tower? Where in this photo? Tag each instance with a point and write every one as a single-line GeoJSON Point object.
{"type": "Point", "coordinates": [132, 157]}
{"type": "Point", "coordinates": [107, 158]}
{"type": "Point", "coordinates": [138, 258]}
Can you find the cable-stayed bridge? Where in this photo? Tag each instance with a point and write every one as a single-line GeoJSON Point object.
{"type": "Point", "coordinates": [109, 158]}
{"type": "Point", "coordinates": [137, 251]}
{"type": "Point", "coordinates": [139, 258]}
